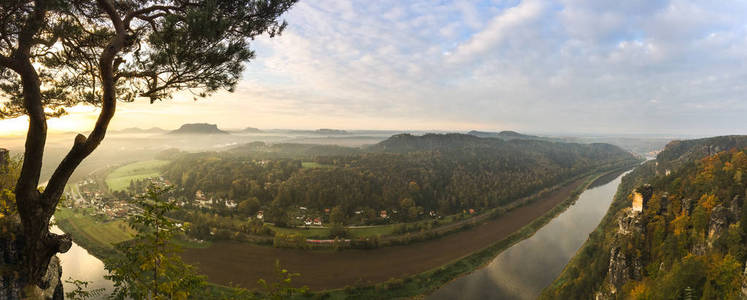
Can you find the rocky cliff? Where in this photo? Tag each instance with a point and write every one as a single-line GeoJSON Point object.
{"type": "Point", "coordinates": [686, 236]}
{"type": "Point", "coordinates": [12, 282]}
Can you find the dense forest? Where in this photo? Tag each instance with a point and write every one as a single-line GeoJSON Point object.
{"type": "Point", "coordinates": [409, 176]}
{"type": "Point", "coordinates": [688, 242]}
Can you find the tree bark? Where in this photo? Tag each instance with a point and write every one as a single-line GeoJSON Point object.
{"type": "Point", "coordinates": [35, 213]}
{"type": "Point", "coordinates": [34, 207]}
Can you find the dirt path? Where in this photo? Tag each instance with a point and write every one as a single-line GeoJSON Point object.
{"type": "Point", "coordinates": [243, 264]}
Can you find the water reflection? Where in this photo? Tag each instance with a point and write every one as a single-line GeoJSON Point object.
{"type": "Point", "coordinates": [81, 265]}
{"type": "Point", "coordinates": [522, 271]}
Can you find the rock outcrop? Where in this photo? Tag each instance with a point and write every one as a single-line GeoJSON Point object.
{"type": "Point", "coordinates": [686, 206]}
{"type": "Point", "coordinates": [629, 222]}
{"type": "Point", "coordinates": [623, 266]}
{"type": "Point", "coordinates": [718, 223]}
{"type": "Point", "coordinates": [12, 282]}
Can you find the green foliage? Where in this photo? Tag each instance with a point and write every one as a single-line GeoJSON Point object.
{"type": "Point", "coordinates": [249, 206]}
{"type": "Point", "coordinates": [290, 240]}
{"type": "Point", "coordinates": [281, 288]}
{"type": "Point", "coordinates": [8, 176]}
{"type": "Point", "coordinates": [150, 266]}
{"type": "Point", "coordinates": [338, 230]}
{"type": "Point", "coordinates": [337, 216]}
{"type": "Point", "coordinates": [81, 291]}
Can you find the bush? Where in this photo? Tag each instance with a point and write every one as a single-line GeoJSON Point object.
{"type": "Point", "coordinates": [337, 230]}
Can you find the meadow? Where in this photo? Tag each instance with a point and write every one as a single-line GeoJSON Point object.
{"type": "Point", "coordinates": [119, 179]}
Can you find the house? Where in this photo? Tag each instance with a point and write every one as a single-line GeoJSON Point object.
{"type": "Point", "coordinates": [204, 203]}
{"type": "Point", "coordinates": [307, 222]}
{"type": "Point", "coordinates": [471, 211]}
{"type": "Point", "coordinates": [317, 222]}
{"type": "Point", "coordinates": [260, 215]}
{"type": "Point", "coordinates": [199, 195]}
{"type": "Point", "coordinates": [383, 214]}
{"type": "Point", "coordinates": [231, 204]}
{"type": "Point", "coordinates": [326, 210]}
{"type": "Point", "coordinates": [432, 213]}
{"type": "Point", "coordinates": [302, 208]}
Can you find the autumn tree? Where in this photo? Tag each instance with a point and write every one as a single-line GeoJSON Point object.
{"type": "Point", "coordinates": [58, 53]}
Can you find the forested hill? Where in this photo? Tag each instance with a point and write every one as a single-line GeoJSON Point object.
{"type": "Point", "coordinates": [688, 242]}
{"type": "Point", "coordinates": [509, 135]}
{"type": "Point", "coordinates": [405, 143]}
{"type": "Point", "coordinates": [443, 173]}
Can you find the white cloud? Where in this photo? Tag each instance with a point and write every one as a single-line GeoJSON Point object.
{"type": "Point", "coordinates": [564, 65]}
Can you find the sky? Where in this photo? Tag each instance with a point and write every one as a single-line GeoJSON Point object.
{"type": "Point", "coordinates": [567, 66]}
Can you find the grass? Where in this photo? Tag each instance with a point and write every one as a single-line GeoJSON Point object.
{"type": "Point", "coordinates": [97, 237]}
{"type": "Point", "coordinates": [372, 231]}
{"type": "Point", "coordinates": [307, 233]}
{"type": "Point", "coordinates": [187, 243]}
{"type": "Point", "coordinates": [323, 233]}
{"type": "Point", "coordinates": [120, 178]}
{"type": "Point", "coordinates": [311, 165]}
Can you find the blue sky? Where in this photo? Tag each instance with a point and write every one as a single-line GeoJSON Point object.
{"type": "Point", "coordinates": [537, 66]}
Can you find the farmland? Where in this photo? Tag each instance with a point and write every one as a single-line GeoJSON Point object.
{"type": "Point", "coordinates": [120, 178]}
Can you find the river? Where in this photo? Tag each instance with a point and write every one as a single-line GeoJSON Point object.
{"type": "Point", "coordinates": [519, 272]}
{"type": "Point", "coordinates": [78, 264]}
{"type": "Point", "coordinates": [525, 269]}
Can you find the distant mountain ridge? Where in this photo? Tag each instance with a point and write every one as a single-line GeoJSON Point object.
{"type": "Point", "coordinates": [250, 130]}
{"type": "Point", "coordinates": [406, 143]}
{"type": "Point", "coordinates": [321, 131]}
{"type": "Point", "coordinates": [141, 130]}
{"type": "Point", "coordinates": [198, 128]}
{"type": "Point", "coordinates": [508, 135]}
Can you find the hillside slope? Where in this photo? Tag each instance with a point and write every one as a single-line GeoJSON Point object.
{"type": "Point", "coordinates": [685, 240]}
{"type": "Point", "coordinates": [418, 174]}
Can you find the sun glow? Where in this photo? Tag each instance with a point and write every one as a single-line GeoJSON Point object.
{"type": "Point", "coordinates": [79, 118]}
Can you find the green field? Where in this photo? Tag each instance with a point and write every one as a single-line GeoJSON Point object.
{"type": "Point", "coordinates": [323, 233]}
{"type": "Point", "coordinates": [120, 178]}
{"type": "Point", "coordinates": [103, 234]}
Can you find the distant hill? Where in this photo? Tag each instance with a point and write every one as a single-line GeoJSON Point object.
{"type": "Point", "coordinates": [326, 131]}
{"type": "Point", "coordinates": [507, 135]}
{"type": "Point", "coordinates": [250, 130]}
{"type": "Point", "coordinates": [403, 143]}
{"type": "Point", "coordinates": [198, 128]}
{"type": "Point", "coordinates": [141, 130]}
{"type": "Point", "coordinates": [457, 142]}
{"type": "Point", "coordinates": [294, 150]}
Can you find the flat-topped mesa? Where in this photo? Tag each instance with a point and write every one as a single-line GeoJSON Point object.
{"type": "Point", "coordinates": [641, 196]}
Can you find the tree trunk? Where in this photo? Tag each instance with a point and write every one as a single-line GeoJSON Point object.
{"type": "Point", "coordinates": [34, 209]}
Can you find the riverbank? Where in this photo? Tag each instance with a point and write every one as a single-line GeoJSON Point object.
{"type": "Point", "coordinates": [392, 271]}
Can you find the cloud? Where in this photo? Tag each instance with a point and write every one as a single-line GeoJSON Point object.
{"type": "Point", "coordinates": [670, 66]}
{"type": "Point", "coordinates": [500, 28]}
